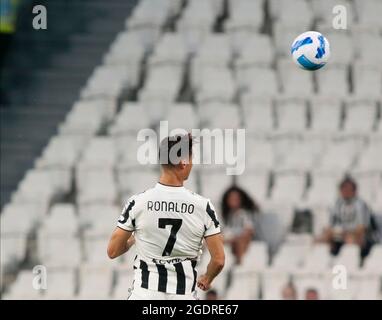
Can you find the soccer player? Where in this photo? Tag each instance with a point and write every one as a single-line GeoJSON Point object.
{"type": "Point", "coordinates": [169, 224]}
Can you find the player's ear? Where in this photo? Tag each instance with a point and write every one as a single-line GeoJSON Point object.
{"type": "Point", "coordinates": [183, 163]}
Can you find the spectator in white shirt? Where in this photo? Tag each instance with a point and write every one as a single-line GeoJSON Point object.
{"type": "Point", "coordinates": [238, 210]}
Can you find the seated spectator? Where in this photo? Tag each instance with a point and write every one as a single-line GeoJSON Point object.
{"type": "Point", "coordinates": [349, 219]}
{"type": "Point", "coordinates": [311, 294]}
{"type": "Point", "coordinates": [289, 292]}
{"type": "Point", "coordinates": [212, 295]}
{"type": "Point", "coordinates": [238, 210]}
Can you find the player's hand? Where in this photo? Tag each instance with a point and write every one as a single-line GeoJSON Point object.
{"type": "Point", "coordinates": [204, 283]}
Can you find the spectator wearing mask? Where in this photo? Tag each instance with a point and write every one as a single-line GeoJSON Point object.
{"type": "Point", "coordinates": [349, 219]}
{"type": "Point", "coordinates": [238, 210]}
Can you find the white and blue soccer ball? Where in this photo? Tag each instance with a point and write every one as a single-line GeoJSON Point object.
{"type": "Point", "coordinates": [310, 50]}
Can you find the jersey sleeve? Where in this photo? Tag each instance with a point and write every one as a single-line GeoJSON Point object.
{"type": "Point", "coordinates": [211, 224]}
{"type": "Point", "coordinates": [126, 220]}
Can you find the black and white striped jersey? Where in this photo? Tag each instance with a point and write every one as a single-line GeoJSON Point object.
{"type": "Point", "coordinates": [169, 224]}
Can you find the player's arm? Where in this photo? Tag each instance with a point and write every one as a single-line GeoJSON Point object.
{"type": "Point", "coordinates": [121, 239]}
{"type": "Point", "coordinates": [216, 264]}
{"type": "Point", "coordinates": [120, 242]}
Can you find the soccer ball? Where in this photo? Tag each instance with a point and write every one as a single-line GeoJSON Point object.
{"type": "Point", "coordinates": [310, 50]}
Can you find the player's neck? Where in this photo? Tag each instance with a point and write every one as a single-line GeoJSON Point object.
{"type": "Point", "coordinates": [170, 179]}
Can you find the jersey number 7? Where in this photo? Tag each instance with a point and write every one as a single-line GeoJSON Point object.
{"type": "Point", "coordinates": [175, 223]}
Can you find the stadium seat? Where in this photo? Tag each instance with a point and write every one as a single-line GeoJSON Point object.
{"type": "Point", "coordinates": [245, 286]}
{"type": "Point", "coordinates": [219, 115]}
{"type": "Point", "coordinates": [368, 288]}
{"type": "Point", "coordinates": [123, 284]}
{"type": "Point", "coordinates": [322, 190]}
{"type": "Point", "coordinates": [304, 282]}
{"type": "Point", "coordinates": [341, 47]}
{"type": "Point", "coordinates": [108, 81]}
{"type": "Point", "coordinates": [127, 51]}
{"type": "Point", "coordinates": [130, 119]}
{"type": "Point", "coordinates": [134, 152]}
{"type": "Point", "coordinates": [258, 81]}
{"type": "Point", "coordinates": [373, 262]}
{"type": "Point", "coordinates": [258, 114]}
{"type": "Point", "coordinates": [170, 50]}
{"type": "Point", "coordinates": [197, 22]}
{"type": "Point", "coordinates": [182, 116]}
{"type": "Point", "coordinates": [285, 13]}
{"type": "Point", "coordinates": [61, 284]}
{"type": "Point", "coordinates": [293, 81]}
{"type": "Point", "coordinates": [323, 10]}
{"type": "Point", "coordinates": [349, 257]}
{"type": "Point", "coordinates": [162, 83]}
{"type": "Point", "coordinates": [78, 121]}
{"type": "Point", "coordinates": [62, 221]}
{"type": "Point", "coordinates": [295, 183]}
{"type": "Point", "coordinates": [272, 283]}
{"type": "Point", "coordinates": [283, 38]}
{"type": "Point", "coordinates": [301, 157]}
{"type": "Point", "coordinates": [368, 13]}
{"type": "Point", "coordinates": [132, 182]}
{"type": "Point", "coordinates": [214, 52]}
{"type": "Point", "coordinates": [99, 217]}
{"type": "Point", "coordinates": [213, 186]}
{"type": "Point", "coordinates": [59, 251]}
{"type": "Point", "coordinates": [13, 251]}
{"type": "Point", "coordinates": [256, 258]}
{"type": "Point", "coordinates": [39, 187]}
{"type": "Point", "coordinates": [61, 152]}
{"type": "Point", "coordinates": [96, 186]}
{"type": "Point", "coordinates": [215, 85]}
{"type": "Point", "coordinates": [99, 154]}
{"type": "Point", "coordinates": [22, 289]}
{"type": "Point", "coordinates": [291, 115]}
{"type": "Point", "coordinates": [256, 184]}
{"type": "Point", "coordinates": [95, 282]}
{"type": "Point", "coordinates": [368, 39]}
{"type": "Point", "coordinates": [326, 114]}
{"type": "Point", "coordinates": [367, 80]}
{"type": "Point", "coordinates": [317, 259]}
{"type": "Point", "coordinates": [333, 81]}
{"type": "Point", "coordinates": [368, 159]}
{"type": "Point", "coordinates": [340, 155]}
{"type": "Point", "coordinates": [257, 50]}
{"type": "Point", "coordinates": [246, 18]}
{"type": "Point", "coordinates": [289, 257]}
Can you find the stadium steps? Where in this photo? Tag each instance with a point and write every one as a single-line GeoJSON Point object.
{"type": "Point", "coordinates": [44, 73]}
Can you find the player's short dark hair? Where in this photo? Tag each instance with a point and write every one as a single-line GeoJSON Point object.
{"type": "Point", "coordinates": [173, 149]}
{"type": "Point", "coordinates": [348, 180]}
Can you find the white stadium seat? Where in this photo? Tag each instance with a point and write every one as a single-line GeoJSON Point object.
{"type": "Point", "coordinates": [95, 282]}
{"type": "Point", "coordinates": [326, 114]}
{"type": "Point", "coordinates": [332, 80]}
{"type": "Point", "coordinates": [256, 50]}
{"type": "Point", "coordinates": [293, 81]}
{"type": "Point", "coordinates": [258, 113]}
{"type": "Point", "coordinates": [291, 115]}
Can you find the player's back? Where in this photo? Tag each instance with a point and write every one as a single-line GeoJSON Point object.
{"type": "Point", "coordinates": [169, 224]}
